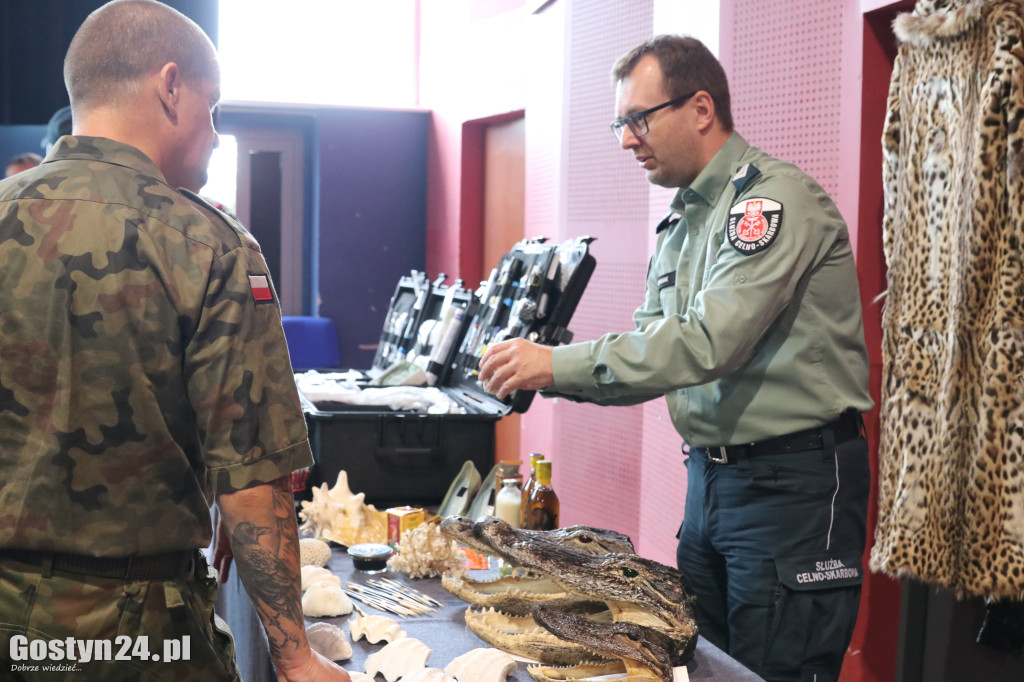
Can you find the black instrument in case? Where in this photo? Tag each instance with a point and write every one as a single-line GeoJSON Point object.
{"type": "Point", "coordinates": [403, 457]}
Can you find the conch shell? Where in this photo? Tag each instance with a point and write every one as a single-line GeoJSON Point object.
{"type": "Point", "coordinates": [340, 515]}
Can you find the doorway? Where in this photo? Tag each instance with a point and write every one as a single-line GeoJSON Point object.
{"type": "Point", "coordinates": [504, 180]}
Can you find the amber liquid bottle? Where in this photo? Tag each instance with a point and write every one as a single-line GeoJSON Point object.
{"type": "Point", "coordinates": [542, 507]}
{"type": "Point", "coordinates": [528, 485]}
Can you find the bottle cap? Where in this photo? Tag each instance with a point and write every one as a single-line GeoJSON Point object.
{"type": "Point", "coordinates": [544, 472]}
{"type": "Point", "coordinates": [534, 458]}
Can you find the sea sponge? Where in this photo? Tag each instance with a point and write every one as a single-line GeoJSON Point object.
{"type": "Point", "coordinates": [313, 552]}
{"type": "Point", "coordinates": [329, 641]}
{"type": "Point", "coordinates": [326, 601]}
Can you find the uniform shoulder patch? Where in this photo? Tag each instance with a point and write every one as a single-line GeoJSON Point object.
{"type": "Point", "coordinates": [260, 286]}
{"type": "Point", "coordinates": [744, 175]}
{"type": "Point", "coordinates": [754, 225]}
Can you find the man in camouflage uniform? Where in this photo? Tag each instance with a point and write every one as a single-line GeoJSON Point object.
{"type": "Point", "coordinates": [143, 374]}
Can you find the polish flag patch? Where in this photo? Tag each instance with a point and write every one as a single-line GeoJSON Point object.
{"type": "Point", "coordinates": [261, 291]}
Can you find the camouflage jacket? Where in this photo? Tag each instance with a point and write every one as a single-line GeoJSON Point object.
{"type": "Point", "coordinates": [143, 366]}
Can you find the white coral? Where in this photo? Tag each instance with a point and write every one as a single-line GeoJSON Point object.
{"type": "Point", "coordinates": [375, 628]}
{"type": "Point", "coordinates": [329, 641]}
{"type": "Point", "coordinates": [313, 552]}
{"type": "Point", "coordinates": [326, 601]}
{"type": "Point", "coordinates": [481, 665]}
{"type": "Point", "coordinates": [398, 659]}
{"type": "Point", "coordinates": [340, 515]}
{"type": "Point", "coordinates": [424, 552]}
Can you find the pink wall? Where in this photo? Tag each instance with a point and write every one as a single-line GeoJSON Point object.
{"type": "Point", "coordinates": [471, 68]}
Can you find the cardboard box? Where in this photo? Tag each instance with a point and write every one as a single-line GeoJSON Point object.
{"type": "Point", "coordinates": [401, 519]}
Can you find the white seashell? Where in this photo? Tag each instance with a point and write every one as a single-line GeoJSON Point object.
{"type": "Point", "coordinates": [357, 676]}
{"type": "Point", "coordinates": [326, 601]}
{"type": "Point", "coordinates": [399, 658]}
{"type": "Point", "coordinates": [313, 574]}
{"type": "Point", "coordinates": [375, 629]}
{"type": "Point", "coordinates": [482, 665]}
{"type": "Point", "coordinates": [329, 641]}
{"type": "Point", "coordinates": [428, 675]}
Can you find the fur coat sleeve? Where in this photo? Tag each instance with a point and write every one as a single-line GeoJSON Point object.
{"type": "Point", "coordinates": [951, 502]}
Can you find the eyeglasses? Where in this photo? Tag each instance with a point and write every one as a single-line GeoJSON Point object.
{"type": "Point", "coordinates": [637, 121]}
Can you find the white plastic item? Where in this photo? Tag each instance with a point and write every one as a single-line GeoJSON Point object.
{"type": "Point", "coordinates": [508, 504]}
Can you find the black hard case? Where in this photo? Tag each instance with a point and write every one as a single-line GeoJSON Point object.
{"type": "Point", "coordinates": [411, 458]}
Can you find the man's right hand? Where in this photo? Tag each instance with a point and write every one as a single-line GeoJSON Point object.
{"type": "Point", "coordinates": [516, 364]}
{"type": "Point", "coordinates": [316, 668]}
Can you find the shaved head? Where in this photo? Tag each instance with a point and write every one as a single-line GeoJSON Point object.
{"type": "Point", "coordinates": [126, 40]}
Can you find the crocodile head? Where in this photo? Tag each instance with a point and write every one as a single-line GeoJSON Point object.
{"type": "Point", "coordinates": [516, 595]}
{"type": "Point", "coordinates": [584, 538]}
{"type": "Point", "coordinates": [653, 628]}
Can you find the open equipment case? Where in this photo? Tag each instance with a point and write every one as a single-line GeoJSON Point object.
{"type": "Point", "coordinates": [404, 457]}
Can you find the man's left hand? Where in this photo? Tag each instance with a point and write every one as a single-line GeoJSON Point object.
{"type": "Point", "coordinates": [516, 364]}
{"type": "Point", "coordinates": [222, 551]}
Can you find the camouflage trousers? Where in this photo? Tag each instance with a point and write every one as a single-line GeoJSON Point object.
{"type": "Point", "coordinates": [73, 628]}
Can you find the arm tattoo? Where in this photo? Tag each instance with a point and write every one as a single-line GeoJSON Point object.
{"type": "Point", "coordinates": [267, 556]}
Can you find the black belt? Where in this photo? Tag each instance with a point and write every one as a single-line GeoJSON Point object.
{"type": "Point", "coordinates": [137, 567]}
{"type": "Point", "coordinates": [847, 427]}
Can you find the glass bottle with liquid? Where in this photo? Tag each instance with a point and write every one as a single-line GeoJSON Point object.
{"type": "Point", "coordinates": [529, 485]}
{"type": "Point", "coordinates": [508, 501]}
{"type": "Point", "coordinates": [542, 507]}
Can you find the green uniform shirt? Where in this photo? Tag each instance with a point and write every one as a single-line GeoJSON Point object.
{"type": "Point", "coordinates": [750, 336]}
{"type": "Point", "coordinates": [143, 366]}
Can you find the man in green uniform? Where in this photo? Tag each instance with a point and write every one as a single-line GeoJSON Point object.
{"type": "Point", "coordinates": [752, 329]}
{"type": "Point", "coordinates": [144, 375]}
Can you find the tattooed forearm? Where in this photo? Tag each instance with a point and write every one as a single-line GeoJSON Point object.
{"type": "Point", "coordinates": [265, 543]}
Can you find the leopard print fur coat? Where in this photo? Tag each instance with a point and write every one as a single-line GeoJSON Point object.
{"type": "Point", "coordinates": [951, 500]}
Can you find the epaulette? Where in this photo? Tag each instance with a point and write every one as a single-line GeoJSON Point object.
{"type": "Point", "coordinates": [744, 175]}
{"type": "Point", "coordinates": [205, 203]}
{"type": "Point", "coordinates": [666, 222]}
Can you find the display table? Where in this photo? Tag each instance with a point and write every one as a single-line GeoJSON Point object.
{"type": "Point", "coordinates": [444, 631]}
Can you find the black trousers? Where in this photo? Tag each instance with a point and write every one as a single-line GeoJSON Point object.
{"type": "Point", "coordinates": [771, 548]}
